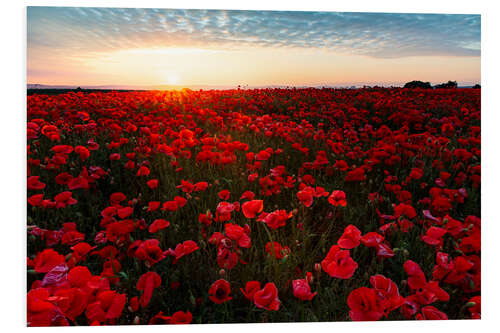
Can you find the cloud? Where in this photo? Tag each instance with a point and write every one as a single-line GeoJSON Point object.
{"type": "Point", "coordinates": [75, 30]}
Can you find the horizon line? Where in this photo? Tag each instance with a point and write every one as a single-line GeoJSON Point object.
{"type": "Point", "coordinates": [230, 86]}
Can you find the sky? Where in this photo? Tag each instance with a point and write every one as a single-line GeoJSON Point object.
{"type": "Point", "coordinates": [143, 47]}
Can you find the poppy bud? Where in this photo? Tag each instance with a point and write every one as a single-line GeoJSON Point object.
{"type": "Point", "coordinates": [222, 272]}
{"type": "Point", "coordinates": [137, 320]}
{"type": "Point", "coordinates": [470, 304]}
{"type": "Point", "coordinates": [309, 277]}
{"type": "Point", "coordinates": [317, 267]}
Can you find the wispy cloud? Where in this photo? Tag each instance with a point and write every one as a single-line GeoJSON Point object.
{"type": "Point", "coordinates": [380, 35]}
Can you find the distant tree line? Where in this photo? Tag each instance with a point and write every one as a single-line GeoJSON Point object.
{"type": "Point", "coordinates": [427, 85]}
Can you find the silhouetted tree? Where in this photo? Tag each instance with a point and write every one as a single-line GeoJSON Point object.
{"type": "Point", "coordinates": [418, 84]}
{"type": "Point", "coordinates": [476, 86]}
{"type": "Point", "coordinates": [448, 85]}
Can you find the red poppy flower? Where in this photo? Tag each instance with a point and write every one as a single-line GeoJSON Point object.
{"type": "Point", "coordinates": [56, 277]}
{"type": "Point", "coordinates": [181, 317]}
{"type": "Point", "coordinates": [152, 184]}
{"type": "Point", "coordinates": [302, 290]}
{"type": "Point", "coordinates": [475, 307]}
{"type": "Point", "coordinates": [34, 183]}
{"type": "Point", "coordinates": [434, 235]}
{"type": "Point", "coordinates": [62, 149]}
{"type": "Point", "coordinates": [124, 212]}
{"type": "Point", "coordinates": [79, 251]}
{"type": "Point", "coordinates": [72, 237]}
{"type": "Point", "coordinates": [116, 198]}
{"type": "Point", "coordinates": [158, 225]}
{"type": "Point", "coordinates": [206, 218]}
{"type": "Point", "coordinates": [83, 152]}
{"type": "Point", "coordinates": [170, 206]}
{"type": "Point", "coordinates": [36, 200]}
{"type": "Point", "coordinates": [178, 317]}
{"type": "Point", "coordinates": [226, 258]}
{"type": "Point", "coordinates": [200, 186]}
{"type": "Point", "coordinates": [71, 301]}
{"type": "Point", "coordinates": [350, 238]}
{"type": "Point", "coordinates": [263, 155]}
{"type": "Point", "coordinates": [186, 187]}
{"type": "Point", "coordinates": [431, 313]}
{"type": "Point", "coordinates": [78, 182]}
{"type": "Point", "coordinates": [79, 276]}
{"type": "Point", "coordinates": [416, 173]}
{"type": "Point", "coordinates": [416, 277]}
{"type": "Point", "coordinates": [372, 239]}
{"type": "Point", "coordinates": [224, 195]}
{"type": "Point", "coordinates": [219, 291]}
{"type": "Point", "coordinates": [306, 196]}
{"type": "Point", "coordinates": [252, 208]}
{"type": "Point", "coordinates": [267, 297]}
{"type": "Point", "coordinates": [149, 251]}
{"type": "Point", "coordinates": [159, 319]}
{"type": "Point", "coordinates": [355, 175]}
{"type": "Point", "coordinates": [277, 250]}
{"type": "Point", "coordinates": [153, 205]}
{"type": "Point", "coordinates": [337, 198]}
{"type": "Point", "coordinates": [133, 304]}
{"type": "Point", "coordinates": [41, 312]}
{"type": "Point", "coordinates": [64, 199]}
{"type": "Point", "coordinates": [238, 234]}
{"type": "Point", "coordinates": [384, 251]}
{"type": "Point", "coordinates": [223, 212]}
{"type": "Point", "coordinates": [182, 249]}
{"type": "Point", "coordinates": [404, 210]}
{"type": "Point", "coordinates": [181, 201]}
{"type": "Point", "coordinates": [143, 171]}
{"type": "Point", "coordinates": [275, 219]}
{"type": "Point", "coordinates": [114, 157]}
{"type": "Point", "coordinates": [338, 263]}
{"type": "Point", "coordinates": [388, 290]}
{"type": "Point", "coordinates": [250, 288]}
{"type": "Point", "coordinates": [247, 195]}
{"type": "Point", "coordinates": [47, 259]}
{"type": "Point", "coordinates": [108, 305]}
{"type": "Point", "coordinates": [364, 305]}
{"type": "Point", "coordinates": [147, 283]}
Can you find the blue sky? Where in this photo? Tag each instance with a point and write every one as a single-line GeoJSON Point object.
{"type": "Point", "coordinates": [80, 37]}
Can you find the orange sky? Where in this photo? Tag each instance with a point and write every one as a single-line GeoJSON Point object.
{"type": "Point", "coordinates": [82, 46]}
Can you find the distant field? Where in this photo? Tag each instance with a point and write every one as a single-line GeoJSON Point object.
{"type": "Point", "coordinates": [64, 91]}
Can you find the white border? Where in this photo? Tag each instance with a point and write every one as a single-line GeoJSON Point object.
{"type": "Point", "coordinates": [13, 156]}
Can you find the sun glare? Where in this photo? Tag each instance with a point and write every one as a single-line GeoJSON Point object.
{"type": "Point", "coordinates": [173, 78]}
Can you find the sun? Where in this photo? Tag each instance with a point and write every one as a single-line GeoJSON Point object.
{"type": "Point", "coordinates": [172, 78]}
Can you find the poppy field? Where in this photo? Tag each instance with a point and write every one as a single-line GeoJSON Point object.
{"type": "Point", "coordinates": [253, 206]}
